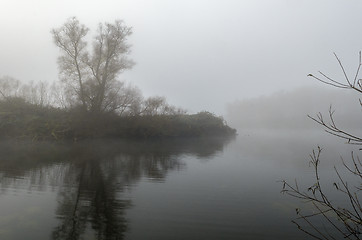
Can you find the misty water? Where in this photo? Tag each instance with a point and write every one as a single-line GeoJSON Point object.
{"type": "Point", "coordinates": [208, 188]}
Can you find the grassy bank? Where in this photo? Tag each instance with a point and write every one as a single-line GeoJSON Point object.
{"type": "Point", "coordinates": [20, 119]}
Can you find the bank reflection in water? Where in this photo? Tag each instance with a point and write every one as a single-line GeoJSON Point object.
{"type": "Point", "coordinates": [91, 177]}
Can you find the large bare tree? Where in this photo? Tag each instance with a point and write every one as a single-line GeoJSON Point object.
{"type": "Point", "coordinates": [90, 73]}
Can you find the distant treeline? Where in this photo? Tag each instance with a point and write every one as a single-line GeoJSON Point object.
{"type": "Point", "coordinates": [24, 120]}
{"type": "Point", "coordinates": [290, 109]}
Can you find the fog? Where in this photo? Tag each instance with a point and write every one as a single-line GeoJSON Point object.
{"type": "Point", "coordinates": [200, 54]}
{"type": "Point", "coordinates": [289, 110]}
{"type": "Point", "coordinates": [247, 60]}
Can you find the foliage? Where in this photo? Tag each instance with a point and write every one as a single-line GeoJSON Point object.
{"type": "Point", "coordinates": [201, 124]}
{"type": "Point", "coordinates": [21, 119]}
{"type": "Point", "coordinates": [345, 221]}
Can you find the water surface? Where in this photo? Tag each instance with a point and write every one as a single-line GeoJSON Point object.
{"type": "Point", "coordinates": [211, 188]}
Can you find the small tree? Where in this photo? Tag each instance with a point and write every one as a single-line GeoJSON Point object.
{"type": "Point", "coordinates": [9, 87]}
{"type": "Point", "coordinates": [36, 93]}
{"type": "Point", "coordinates": [345, 220]}
{"type": "Point", "coordinates": [91, 76]}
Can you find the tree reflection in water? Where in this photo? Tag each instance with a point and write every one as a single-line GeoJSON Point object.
{"type": "Point", "coordinates": [92, 175]}
{"type": "Point", "coordinates": [88, 202]}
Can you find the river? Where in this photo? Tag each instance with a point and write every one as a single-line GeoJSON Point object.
{"type": "Point", "coordinates": [206, 188]}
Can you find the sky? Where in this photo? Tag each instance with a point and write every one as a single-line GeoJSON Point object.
{"type": "Point", "coordinates": [199, 54]}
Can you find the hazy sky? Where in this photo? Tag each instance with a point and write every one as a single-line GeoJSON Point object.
{"type": "Point", "coordinates": [200, 54]}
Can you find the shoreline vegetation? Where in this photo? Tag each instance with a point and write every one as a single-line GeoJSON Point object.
{"type": "Point", "coordinates": [20, 119]}
{"type": "Point", "coordinates": [89, 100]}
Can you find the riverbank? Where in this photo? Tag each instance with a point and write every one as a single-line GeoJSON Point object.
{"type": "Point", "coordinates": [23, 120]}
